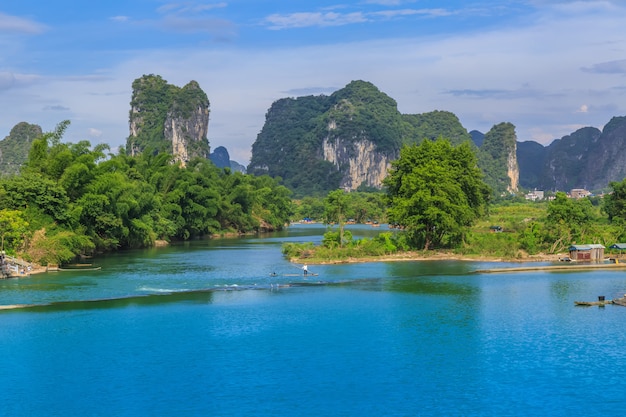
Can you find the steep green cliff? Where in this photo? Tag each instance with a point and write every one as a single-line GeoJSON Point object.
{"type": "Point", "coordinates": [14, 148]}
{"type": "Point", "coordinates": [346, 140]}
{"type": "Point", "coordinates": [288, 145]}
{"type": "Point", "coordinates": [497, 158]}
{"type": "Point", "coordinates": [166, 118]}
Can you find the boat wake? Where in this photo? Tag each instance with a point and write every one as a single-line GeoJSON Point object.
{"type": "Point", "coordinates": [153, 297]}
{"type": "Point", "coordinates": [162, 290]}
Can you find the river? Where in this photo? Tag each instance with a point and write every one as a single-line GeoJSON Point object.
{"type": "Point", "coordinates": [228, 327]}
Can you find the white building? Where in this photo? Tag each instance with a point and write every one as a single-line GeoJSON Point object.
{"type": "Point", "coordinates": [534, 195]}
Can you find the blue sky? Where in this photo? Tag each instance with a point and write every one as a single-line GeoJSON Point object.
{"type": "Point", "coordinates": [548, 67]}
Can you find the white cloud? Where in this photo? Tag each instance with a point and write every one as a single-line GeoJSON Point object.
{"type": "Point", "coordinates": [17, 25]}
{"type": "Point", "coordinates": [306, 19]}
{"type": "Point", "coordinates": [96, 133]}
{"type": "Point", "coordinates": [412, 12]}
{"type": "Point", "coordinates": [332, 18]}
{"type": "Point", "coordinates": [528, 75]}
{"type": "Point", "coordinates": [190, 7]}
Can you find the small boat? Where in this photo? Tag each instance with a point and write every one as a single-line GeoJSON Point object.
{"type": "Point", "coordinates": [601, 302]}
{"type": "Point", "coordinates": [273, 274]}
{"type": "Point", "coordinates": [79, 267]}
{"type": "Point", "coordinates": [591, 303]}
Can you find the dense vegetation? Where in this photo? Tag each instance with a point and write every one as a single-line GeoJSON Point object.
{"type": "Point", "coordinates": [290, 145]}
{"type": "Point", "coordinates": [528, 229]}
{"type": "Point", "coordinates": [360, 207]}
{"type": "Point", "coordinates": [433, 125]}
{"type": "Point", "coordinates": [73, 199]}
{"type": "Point", "coordinates": [438, 201]}
{"type": "Point", "coordinates": [361, 111]}
{"type": "Point", "coordinates": [435, 193]}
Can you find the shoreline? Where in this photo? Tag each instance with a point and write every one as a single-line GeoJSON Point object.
{"type": "Point", "coordinates": [436, 256]}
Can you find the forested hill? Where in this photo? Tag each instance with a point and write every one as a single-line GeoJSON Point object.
{"type": "Point", "coordinates": [347, 139]}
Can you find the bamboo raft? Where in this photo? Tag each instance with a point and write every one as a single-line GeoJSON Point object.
{"type": "Point", "coordinates": [602, 302]}
{"type": "Point", "coordinates": [78, 267]}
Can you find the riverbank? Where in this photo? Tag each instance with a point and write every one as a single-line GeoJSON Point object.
{"type": "Point", "coordinates": [560, 267]}
{"type": "Point", "coordinates": [430, 256]}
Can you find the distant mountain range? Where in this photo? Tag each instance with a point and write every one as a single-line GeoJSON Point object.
{"type": "Point", "coordinates": [221, 159]}
{"type": "Point", "coordinates": [349, 140]}
{"type": "Point", "coordinates": [587, 158]}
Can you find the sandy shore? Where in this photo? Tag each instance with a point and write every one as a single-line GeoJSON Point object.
{"type": "Point", "coordinates": [420, 256]}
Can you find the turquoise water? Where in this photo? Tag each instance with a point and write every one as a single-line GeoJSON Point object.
{"type": "Point", "coordinates": [203, 329]}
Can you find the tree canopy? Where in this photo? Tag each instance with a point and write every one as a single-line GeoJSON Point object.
{"type": "Point", "coordinates": [615, 202]}
{"type": "Point", "coordinates": [75, 198]}
{"type": "Point", "coordinates": [435, 193]}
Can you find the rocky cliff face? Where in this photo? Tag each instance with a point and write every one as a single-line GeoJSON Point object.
{"type": "Point", "coordinates": [606, 161]}
{"type": "Point", "coordinates": [188, 134]}
{"type": "Point", "coordinates": [165, 118]}
{"type": "Point", "coordinates": [348, 139]}
{"type": "Point", "coordinates": [353, 147]}
{"type": "Point", "coordinates": [512, 170]}
{"type": "Point", "coordinates": [320, 143]}
{"type": "Point", "coordinates": [359, 162]}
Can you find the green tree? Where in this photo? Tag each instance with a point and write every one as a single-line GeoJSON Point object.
{"type": "Point", "coordinates": [310, 207]}
{"type": "Point", "coordinates": [13, 228]}
{"type": "Point", "coordinates": [615, 202]}
{"type": "Point", "coordinates": [335, 208]}
{"type": "Point", "coordinates": [368, 206]}
{"type": "Point", "coordinates": [570, 220]}
{"type": "Point", "coordinates": [436, 192]}
{"type": "Point", "coordinates": [273, 203]}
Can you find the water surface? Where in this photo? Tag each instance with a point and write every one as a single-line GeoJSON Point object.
{"type": "Point", "coordinates": [204, 328]}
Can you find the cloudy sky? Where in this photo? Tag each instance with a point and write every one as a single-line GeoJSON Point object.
{"type": "Point", "coordinates": [548, 67]}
